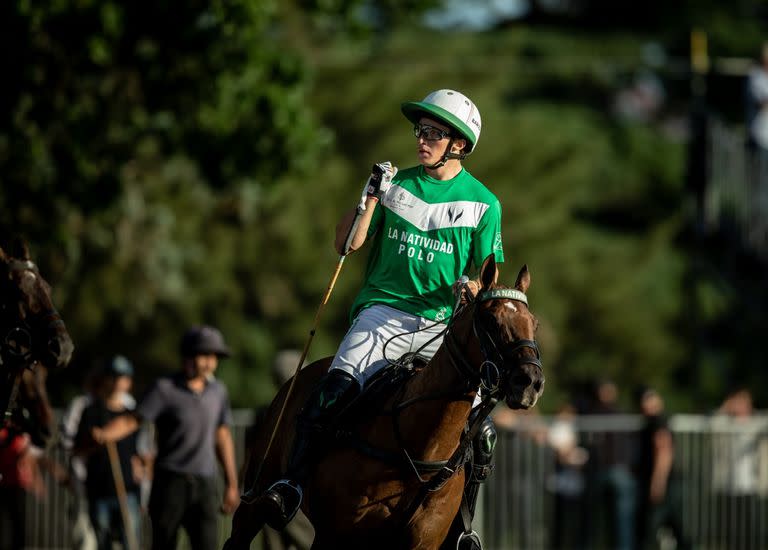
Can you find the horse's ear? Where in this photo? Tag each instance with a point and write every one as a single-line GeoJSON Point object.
{"type": "Point", "coordinates": [489, 272]}
{"type": "Point", "coordinates": [20, 249]}
{"type": "Point", "coordinates": [523, 279]}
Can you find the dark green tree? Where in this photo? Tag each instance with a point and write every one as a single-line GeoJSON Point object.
{"type": "Point", "coordinates": [140, 149]}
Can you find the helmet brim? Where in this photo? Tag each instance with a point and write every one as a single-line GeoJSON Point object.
{"type": "Point", "coordinates": [414, 110]}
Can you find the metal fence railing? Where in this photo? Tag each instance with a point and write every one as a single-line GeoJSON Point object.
{"type": "Point", "coordinates": [50, 517]}
{"type": "Point", "coordinates": [720, 473]}
{"type": "Point", "coordinates": [531, 501]}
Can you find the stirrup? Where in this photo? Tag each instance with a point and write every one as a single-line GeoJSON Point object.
{"type": "Point", "coordinates": [283, 499]}
{"type": "Point", "coordinates": [469, 541]}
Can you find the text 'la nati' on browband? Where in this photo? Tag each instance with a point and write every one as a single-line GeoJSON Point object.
{"type": "Point", "coordinates": [504, 293]}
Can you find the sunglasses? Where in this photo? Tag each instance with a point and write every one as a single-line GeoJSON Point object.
{"type": "Point", "coordinates": [429, 133]}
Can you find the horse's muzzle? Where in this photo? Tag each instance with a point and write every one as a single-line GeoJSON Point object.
{"type": "Point", "coordinates": [525, 387]}
{"type": "Point", "coordinates": [59, 351]}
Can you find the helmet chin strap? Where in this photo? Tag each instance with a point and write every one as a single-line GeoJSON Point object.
{"type": "Point", "coordinates": [448, 155]}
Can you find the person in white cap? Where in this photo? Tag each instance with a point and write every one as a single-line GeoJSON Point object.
{"type": "Point", "coordinates": [429, 226]}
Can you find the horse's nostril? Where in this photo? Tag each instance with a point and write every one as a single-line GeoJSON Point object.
{"type": "Point", "coordinates": [54, 347]}
{"type": "Point", "coordinates": [521, 380]}
{"type": "Point", "coordinates": [538, 385]}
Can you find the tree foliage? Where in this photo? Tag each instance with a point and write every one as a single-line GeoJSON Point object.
{"type": "Point", "coordinates": [143, 149]}
{"type": "Point", "coordinates": [186, 162]}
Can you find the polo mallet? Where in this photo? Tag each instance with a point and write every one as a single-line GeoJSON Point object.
{"type": "Point", "coordinates": [117, 476]}
{"type": "Point", "coordinates": [377, 172]}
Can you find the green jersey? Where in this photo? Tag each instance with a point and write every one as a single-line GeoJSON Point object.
{"type": "Point", "coordinates": [427, 233]}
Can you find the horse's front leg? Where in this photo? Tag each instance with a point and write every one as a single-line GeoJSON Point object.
{"type": "Point", "coordinates": [246, 524]}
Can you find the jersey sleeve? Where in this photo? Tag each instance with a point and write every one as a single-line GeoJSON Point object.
{"type": "Point", "coordinates": [487, 236]}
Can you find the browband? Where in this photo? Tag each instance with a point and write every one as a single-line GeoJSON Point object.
{"type": "Point", "coordinates": [504, 293]}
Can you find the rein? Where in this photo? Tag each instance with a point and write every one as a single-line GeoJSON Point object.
{"type": "Point", "coordinates": [488, 378]}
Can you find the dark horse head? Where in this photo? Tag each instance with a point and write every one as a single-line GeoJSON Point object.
{"type": "Point", "coordinates": [33, 339]}
{"type": "Point", "coordinates": [31, 330]}
{"type": "Point", "coordinates": [504, 327]}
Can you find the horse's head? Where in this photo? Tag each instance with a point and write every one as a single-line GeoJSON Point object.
{"type": "Point", "coordinates": [31, 330]}
{"type": "Point", "coordinates": [505, 330]}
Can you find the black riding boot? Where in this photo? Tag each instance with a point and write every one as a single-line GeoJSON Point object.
{"type": "Point", "coordinates": [482, 448]}
{"type": "Point", "coordinates": [334, 391]}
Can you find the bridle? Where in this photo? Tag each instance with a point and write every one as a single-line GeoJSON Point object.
{"type": "Point", "coordinates": [489, 378]}
{"type": "Point", "coordinates": [21, 334]}
{"type": "Point", "coordinates": [492, 369]}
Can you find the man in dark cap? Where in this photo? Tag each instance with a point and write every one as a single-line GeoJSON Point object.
{"type": "Point", "coordinates": [192, 416]}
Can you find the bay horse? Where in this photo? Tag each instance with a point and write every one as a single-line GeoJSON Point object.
{"type": "Point", "coordinates": [400, 484]}
{"type": "Point", "coordinates": [33, 339]}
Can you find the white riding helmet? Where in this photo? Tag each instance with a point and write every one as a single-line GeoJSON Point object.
{"type": "Point", "coordinates": [453, 109]}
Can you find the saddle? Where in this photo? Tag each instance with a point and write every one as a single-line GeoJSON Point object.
{"type": "Point", "coordinates": [371, 402]}
{"type": "Point", "coordinates": [379, 388]}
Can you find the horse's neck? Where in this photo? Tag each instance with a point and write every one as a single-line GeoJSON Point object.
{"type": "Point", "coordinates": [431, 428]}
{"type": "Point", "coordinates": [33, 397]}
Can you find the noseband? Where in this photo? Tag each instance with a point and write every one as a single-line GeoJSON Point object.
{"type": "Point", "coordinates": [491, 369]}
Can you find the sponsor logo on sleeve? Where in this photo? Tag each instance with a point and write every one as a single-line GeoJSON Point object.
{"type": "Point", "coordinates": [497, 242]}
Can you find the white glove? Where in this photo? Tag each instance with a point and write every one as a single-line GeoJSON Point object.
{"type": "Point", "coordinates": [379, 181]}
{"type": "Point", "coordinates": [465, 288]}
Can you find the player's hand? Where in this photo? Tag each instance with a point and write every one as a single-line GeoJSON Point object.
{"type": "Point", "coordinates": [380, 180]}
{"type": "Point", "coordinates": [470, 286]}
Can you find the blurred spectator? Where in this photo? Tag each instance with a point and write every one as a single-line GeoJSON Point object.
{"type": "Point", "coordinates": [568, 481]}
{"type": "Point", "coordinates": [757, 142]}
{"type": "Point", "coordinates": [192, 417]}
{"type": "Point", "coordinates": [299, 533]}
{"type": "Point", "coordinates": [83, 537]}
{"type": "Point", "coordinates": [659, 493]}
{"type": "Point", "coordinates": [110, 517]}
{"type": "Point", "coordinates": [738, 457]}
{"type": "Point", "coordinates": [24, 431]}
{"type": "Point", "coordinates": [19, 475]}
{"type": "Point", "coordinates": [757, 103]}
{"type": "Point", "coordinates": [612, 485]}
{"type": "Point", "coordinates": [642, 100]}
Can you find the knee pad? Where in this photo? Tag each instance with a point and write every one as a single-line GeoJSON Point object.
{"type": "Point", "coordinates": [483, 446]}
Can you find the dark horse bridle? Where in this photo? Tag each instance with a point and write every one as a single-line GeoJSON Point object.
{"type": "Point", "coordinates": [23, 337]}
{"type": "Point", "coordinates": [492, 370]}
{"type": "Point", "coordinates": [495, 357]}
{"type": "Point", "coordinates": [495, 363]}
